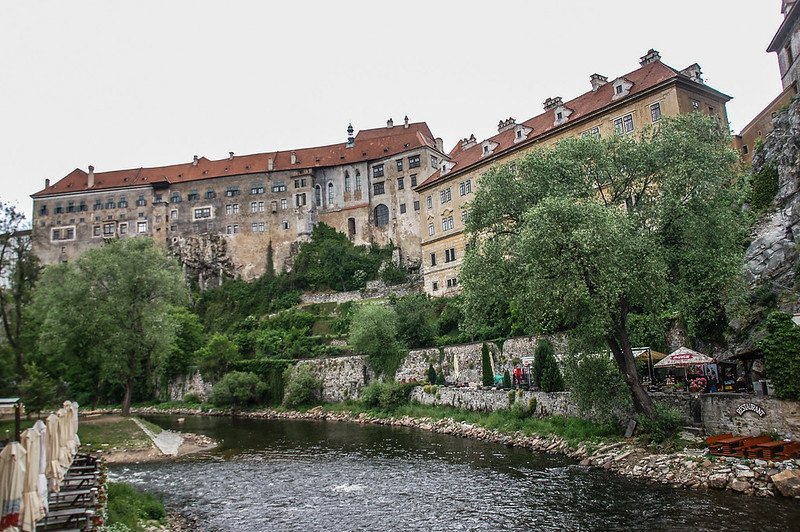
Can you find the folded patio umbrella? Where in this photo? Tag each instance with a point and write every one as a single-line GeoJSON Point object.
{"type": "Point", "coordinates": [12, 480]}
{"type": "Point", "coordinates": [32, 509]}
{"type": "Point", "coordinates": [54, 473]}
{"type": "Point", "coordinates": [41, 482]}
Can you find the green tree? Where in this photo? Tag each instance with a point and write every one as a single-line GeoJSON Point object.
{"type": "Point", "coordinates": [217, 356]}
{"type": "Point", "coordinates": [19, 270]}
{"type": "Point", "coordinates": [109, 312]}
{"type": "Point", "coordinates": [431, 374]}
{"type": "Point", "coordinates": [551, 379]}
{"type": "Point", "coordinates": [189, 338]}
{"type": "Point", "coordinates": [543, 351]}
{"type": "Point", "coordinates": [781, 347]}
{"type": "Point", "coordinates": [416, 324]}
{"type": "Point", "coordinates": [506, 379]}
{"type": "Point", "coordinates": [596, 385]}
{"type": "Point", "coordinates": [486, 366]}
{"type": "Point", "coordinates": [576, 237]}
{"type": "Point", "coordinates": [238, 389]}
{"type": "Point", "coordinates": [38, 389]}
{"type": "Point", "coordinates": [373, 332]}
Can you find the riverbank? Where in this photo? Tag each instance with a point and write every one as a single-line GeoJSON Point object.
{"type": "Point", "coordinates": [687, 468]}
{"type": "Point", "coordinates": [121, 440]}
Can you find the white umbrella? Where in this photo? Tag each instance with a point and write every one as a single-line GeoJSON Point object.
{"type": "Point", "coordinates": [12, 479]}
{"type": "Point", "coordinates": [41, 483]}
{"type": "Point", "coordinates": [32, 508]}
{"type": "Point", "coordinates": [683, 357]}
{"type": "Point", "coordinates": [54, 473]}
{"type": "Point", "coordinates": [64, 439]}
{"type": "Point", "coordinates": [74, 407]}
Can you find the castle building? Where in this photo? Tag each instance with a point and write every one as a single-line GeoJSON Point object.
{"type": "Point", "coordinates": [786, 45]}
{"type": "Point", "coordinates": [622, 106]}
{"type": "Point", "coordinates": [221, 216]}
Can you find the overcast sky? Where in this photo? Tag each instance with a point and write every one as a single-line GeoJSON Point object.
{"type": "Point", "coordinates": [147, 83]}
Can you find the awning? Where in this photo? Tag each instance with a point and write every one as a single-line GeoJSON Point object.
{"type": "Point", "coordinates": [644, 353]}
{"type": "Point", "coordinates": [682, 357]}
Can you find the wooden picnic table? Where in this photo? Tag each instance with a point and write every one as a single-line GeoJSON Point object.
{"type": "Point", "coordinates": [767, 450]}
{"type": "Point", "coordinates": [727, 445]}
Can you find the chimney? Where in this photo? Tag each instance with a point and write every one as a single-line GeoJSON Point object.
{"type": "Point", "coordinates": [650, 57]}
{"type": "Point", "coordinates": [506, 124]}
{"type": "Point", "coordinates": [351, 140]}
{"type": "Point", "coordinates": [46, 183]}
{"type": "Point", "coordinates": [440, 144]}
{"type": "Point", "coordinates": [390, 123]}
{"type": "Point", "coordinates": [597, 81]}
{"type": "Point", "coordinates": [90, 180]}
{"type": "Point", "coordinates": [194, 161]}
{"type": "Point", "coordinates": [405, 122]}
{"type": "Point", "coordinates": [694, 73]}
{"type": "Point", "coordinates": [294, 158]}
{"type": "Point", "coordinates": [552, 103]}
{"type": "Point", "coordinates": [468, 143]}
{"type": "Point", "coordinates": [786, 6]}
{"type": "Point", "coordinates": [230, 155]}
{"type": "Point", "coordinates": [270, 164]}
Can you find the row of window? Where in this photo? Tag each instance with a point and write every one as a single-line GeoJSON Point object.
{"type": "Point", "coordinates": [413, 162]}
{"type": "Point", "coordinates": [82, 207]}
{"type": "Point", "coordinates": [104, 230]}
{"type": "Point", "coordinates": [449, 256]}
{"type": "Point", "coordinates": [624, 124]}
{"type": "Point", "coordinates": [464, 188]}
{"type": "Point", "coordinates": [451, 283]}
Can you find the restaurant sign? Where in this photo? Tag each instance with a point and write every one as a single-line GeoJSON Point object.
{"type": "Point", "coordinates": [750, 407]}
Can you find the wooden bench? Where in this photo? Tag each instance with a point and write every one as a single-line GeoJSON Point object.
{"type": "Point", "coordinates": [725, 447]}
{"type": "Point", "coordinates": [712, 441]}
{"type": "Point", "coordinates": [765, 450]}
{"type": "Point", "coordinates": [790, 450]}
{"type": "Point", "coordinates": [748, 443]}
{"type": "Point", "coordinates": [66, 517]}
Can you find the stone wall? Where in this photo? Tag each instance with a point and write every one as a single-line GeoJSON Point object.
{"type": "Point", "coordinates": [342, 377]}
{"type": "Point", "coordinates": [190, 384]}
{"type": "Point", "coordinates": [719, 414]}
{"type": "Point", "coordinates": [374, 289]}
{"type": "Point", "coordinates": [547, 404]}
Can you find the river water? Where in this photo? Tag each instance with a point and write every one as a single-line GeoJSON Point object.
{"type": "Point", "coordinates": [317, 475]}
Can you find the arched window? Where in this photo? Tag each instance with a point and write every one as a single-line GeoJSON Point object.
{"type": "Point", "coordinates": [347, 181]}
{"type": "Point", "coordinates": [318, 195]}
{"type": "Point", "coordinates": [331, 194]}
{"type": "Point", "coordinates": [381, 215]}
{"type": "Point", "coordinates": [358, 181]}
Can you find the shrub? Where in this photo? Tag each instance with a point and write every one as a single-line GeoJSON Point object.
{"type": "Point", "coordinates": [127, 506]}
{"type": "Point", "coordinates": [506, 379]}
{"type": "Point", "coordinates": [192, 399]}
{"type": "Point", "coordinates": [440, 380]}
{"type": "Point", "coordinates": [551, 379]}
{"type": "Point", "coordinates": [430, 389]}
{"type": "Point", "coordinates": [217, 356]}
{"type": "Point", "coordinates": [663, 426]}
{"type": "Point", "coordinates": [512, 396]}
{"type": "Point", "coordinates": [486, 366]}
{"type": "Point", "coordinates": [373, 333]}
{"type": "Point", "coordinates": [764, 187]}
{"type": "Point", "coordinates": [393, 274]}
{"type": "Point", "coordinates": [271, 372]}
{"type": "Point", "coordinates": [597, 386]}
{"type": "Point", "coordinates": [431, 374]}
{"type": "Point", "coordinates": [416, 325]}
{"type": "Point", "coordinates": [387, 395]}
{"type": "Point", "coordinates": [238, 389]}
{"type": "Point", "coordinates": [38, 389]}
{"type": "Point", "coordinates": [542, 351]}
{"type": "Point", "coordinates": [303, 387]}
{"type": "Point", "coordinates": [781, 348]}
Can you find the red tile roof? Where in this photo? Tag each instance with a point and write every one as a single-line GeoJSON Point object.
{"type": "Point", "coordinates": [644, 78]}
{"type": "Point", "coordinates": [370, 144]}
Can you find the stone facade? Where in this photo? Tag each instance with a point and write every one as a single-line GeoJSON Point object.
{"type": "Point", "coordinates": [786, 43]}
{"type": "Point", "coordinates": [547, 404]}
{"type": "Point", "coordinates": [182, 386]}
{"type": "Point", "coordinates": [602, 112]}
{"type": "Point", "coordinates": [342, 377]}
{"type": "Point", "coordinates": [220, 217]}
{"type": "Point", "coordinates": [374, 289]}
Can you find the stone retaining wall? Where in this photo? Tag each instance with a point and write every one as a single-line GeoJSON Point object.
{"type": "Point", "coordinates": [547, 404]}
{"type": "Point", "coordinates": [373, 290]}
{"type": "Point", "coordinates": [342, 377]}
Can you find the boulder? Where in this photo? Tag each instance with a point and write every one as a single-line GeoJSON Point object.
{"type": "Point", "coordinates": [787, 482]}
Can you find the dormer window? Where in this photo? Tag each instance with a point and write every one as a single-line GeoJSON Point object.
{"type": "Point", "coordinates": [562, 114]}
{"type": "Point", "coordinates": [485, 149]}
{"type": "Point", "coordinates": [559, 116]}
{"type": "Point", "coordinates": [519, 133]}
{"type": "Point", "coordinates": [488, 147]}
{"type": "Point", "coordinates": [622, 88]}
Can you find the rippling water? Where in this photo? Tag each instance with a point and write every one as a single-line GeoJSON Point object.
{"type": "Point", "coordinates": [315, 475]}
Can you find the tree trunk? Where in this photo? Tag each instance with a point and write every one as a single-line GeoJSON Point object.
{"type": "Point", "coordinates": [126, 402]}
{"type": "Point", "coordinates": [623, 356]}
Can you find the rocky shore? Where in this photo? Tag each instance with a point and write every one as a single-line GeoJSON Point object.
{"type": "Point", "coordinates": [685, 469]}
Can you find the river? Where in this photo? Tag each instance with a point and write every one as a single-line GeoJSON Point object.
{"type": "Point", "coordinates": [316, 475]}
